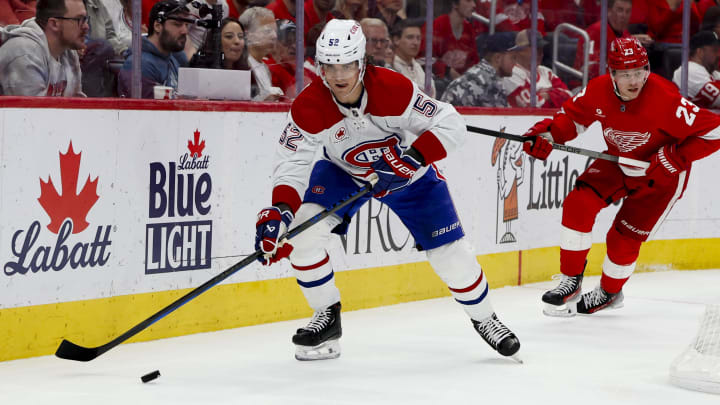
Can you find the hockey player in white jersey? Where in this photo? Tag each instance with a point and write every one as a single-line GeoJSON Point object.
{"type": "Point", "coordinates": [368, 119]}
{"type": "Point", "coordinates": [703, 78]}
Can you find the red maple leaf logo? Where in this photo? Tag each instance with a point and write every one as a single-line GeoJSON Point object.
{"type": "Point", "coordinates": [68, 204]}
{"type": "Point", "coordinates": [195, 147]}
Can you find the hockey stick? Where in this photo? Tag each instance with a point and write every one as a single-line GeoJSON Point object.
{"type": "Point", "coordinates": [70, 351]}
{"type": "Point", "coordinates": [566, 148]}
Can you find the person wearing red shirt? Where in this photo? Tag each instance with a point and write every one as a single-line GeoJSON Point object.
{"type": "Point", "coordinates": [313, 10]}
{"type": "Point", "coordinates": [13, 12]}
{"type": "Point", "coordinates": [283, 9]}
{"type": "Point", "coordinates": [618, 19]}
{"type": "Point", "coordinates": [454, 41]}
{"type": "Point", "coordinates": [281, 62]}
{"type": "Point", "coordinates": [664, 20]}
{"type": "Point", "coordinates": [643, 117]}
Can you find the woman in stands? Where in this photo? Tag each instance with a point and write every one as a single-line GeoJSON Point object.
{"type": "Point", "coordinates": [232, 46]}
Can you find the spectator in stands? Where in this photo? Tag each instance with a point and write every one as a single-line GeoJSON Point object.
{"type": "Point", "coordinates": [378, 40]}
{"type": "Point", "coordinates": [406, 39]}
{"type": "Point", "coordinates": [233, 52]}
{"type": "Point", "coordinates": [387, 12]}
{"type": "Point", "coordinates": [13, 12]}
{"type": "Point", "coordinates": [703, 77]}
{"type": "Point", "coordinates": [351, 9]}
{"type": "Point", "coordinates": [101, 46]}
{"type": "Point", "coordinates": [282, 62]}
{"type": "Point", "coordinates": [514, 15]}
{"type": "Point", "coordinates": [665, 20]}
{"type": "Point", "coordinates": [122, 21]}
{"type": "Point", "coordinates": [481, 85]}
{"type": "Point", "coordinates": [317, 13]}
{"type": "Point", "coordinates": [551, 92]}
{"type": "Point", "coordinates": [454, 45]}
{"type": "Point", "coordinates": [618, 19]}
{"type": "Point", "coordinates": [101, 25]}
{"type": "Point", "coordinates": [259, 23]}
{"type": "Point", "coordinates": [162, 50]}
{"type": "Point", "coordinates": [711, 20]}
{"type": "Point", "coordinates": [283, 9]}
{"type": "Point", "coordinates": [580, 13]}
{"type": "Point", "coordinates": [39, 57]}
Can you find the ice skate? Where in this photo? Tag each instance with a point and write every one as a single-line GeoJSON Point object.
{"type": "Point", "coordinates": [498, 336]}
{"type": "Point", "coordinates": [598, 299]}
{"type": "Point", "coordinates": [319, 339]}
{"type": "Point", "coordinates": [560, 301]}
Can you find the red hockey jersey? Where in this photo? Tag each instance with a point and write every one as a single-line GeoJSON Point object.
{"type": "Point", "coordinates": [638, 128]}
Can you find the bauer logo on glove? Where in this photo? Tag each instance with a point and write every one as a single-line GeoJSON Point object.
{"type": "Point", "coordinates": [271, 224]}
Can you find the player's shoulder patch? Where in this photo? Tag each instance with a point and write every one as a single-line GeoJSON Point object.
{"type": "Point", "coordinates": [389, 92]}
{"type": "Point", "coordinates": [314, 109]}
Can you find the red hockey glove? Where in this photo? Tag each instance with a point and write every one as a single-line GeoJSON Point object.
{"type": "Point", "coordinates": [665, 165]}
{"type": "Point", "coordinates": [271, 224]}
{"type": "Point", "coordinates": [394, 170]}
{"type": "Point", "coordinates": [537, 145]}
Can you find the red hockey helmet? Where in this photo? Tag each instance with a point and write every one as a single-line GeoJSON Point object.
{"type": "Point", "coordinates": [627, 53]}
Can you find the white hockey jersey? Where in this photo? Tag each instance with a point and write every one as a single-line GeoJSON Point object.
{"type": "Point", "coordinates": [703, 89]}
{"type": "Point", "coordinates": [551, 91]}
{"type": "Point", "coordinates": [393, 110]}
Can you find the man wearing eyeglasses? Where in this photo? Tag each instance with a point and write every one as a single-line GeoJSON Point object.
{"type": "Point", "coordinates": [378, 41]}
{"type": "Point", "coordinates": [40, 56]}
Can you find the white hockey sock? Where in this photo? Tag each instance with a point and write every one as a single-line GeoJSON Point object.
{"type": "Point", "coordinates": [317, 282]}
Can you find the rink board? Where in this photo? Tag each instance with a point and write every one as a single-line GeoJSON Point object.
{"type": "Point", "coordinates": [160, 223]}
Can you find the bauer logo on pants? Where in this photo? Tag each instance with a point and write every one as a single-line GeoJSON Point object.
{"type": "Point", "coordinates": [68, 210]}
{"type": "Point", "coordinates": [178, 238]}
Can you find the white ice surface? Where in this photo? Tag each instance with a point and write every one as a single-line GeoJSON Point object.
{"type": "Point", "coordinates": [418, 353]}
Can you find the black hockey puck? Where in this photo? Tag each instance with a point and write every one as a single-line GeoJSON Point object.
{"type": "Point", "coordinates": [150, 376]}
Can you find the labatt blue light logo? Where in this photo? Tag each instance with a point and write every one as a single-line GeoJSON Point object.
{"type": "Point", "coordinates": [179, 191]}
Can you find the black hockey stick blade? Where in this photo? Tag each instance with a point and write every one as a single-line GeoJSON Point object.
{"type": "Point", "coordinates": [71, 351]}
{"type": "Point", "coordinates": [565, 148]}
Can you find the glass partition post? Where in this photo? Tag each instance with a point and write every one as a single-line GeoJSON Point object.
{"type": "Point", "coordinates": [428, 45]}
{"type": "Point", "coordinates": [299, 46]}
{"type": "Point", "coordinates": [136, 49]}
{"type": "Point", "coordinates": [533, 52]}
{"type": "Point", "coordinates": [685, 48]}
{"type": "Point", "coordinates": [603, 37]}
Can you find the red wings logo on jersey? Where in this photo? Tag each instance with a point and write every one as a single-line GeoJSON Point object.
{"type": "Point", "coordinates": [366, 153]}
{"type": "Point", "coordinates": [626, 141]}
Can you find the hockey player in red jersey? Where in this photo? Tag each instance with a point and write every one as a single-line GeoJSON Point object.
{"type": "Point", "coordinates": [645, 118]}
{"type": "Point", "coordinates": [368, 119]}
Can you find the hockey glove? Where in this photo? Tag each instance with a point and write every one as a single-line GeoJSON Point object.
{"type": "Point", "coordinates": [538, 145]}
{"type": "Point", "coordinates": [271, 224]}
{"type": "Point", "coordinates": [394, 170]}
{"type": "Point", "coordinates": [665, 166]}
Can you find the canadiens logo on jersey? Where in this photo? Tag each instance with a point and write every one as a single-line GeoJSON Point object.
{"type": "Point", "coordinates": [366, 153]}
{"type": "Point", "coordinates": [626, 141]}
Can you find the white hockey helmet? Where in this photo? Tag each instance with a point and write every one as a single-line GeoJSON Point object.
{"type": "Point", "coordinates": [341, 42]}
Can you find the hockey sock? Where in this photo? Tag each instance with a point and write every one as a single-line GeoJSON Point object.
{"type": "Point", "coordinates": [572, 262]}
{"type": "Point", "coordinates": [619, 264]}
{"type": "Point", "coordinates": [317, 282]}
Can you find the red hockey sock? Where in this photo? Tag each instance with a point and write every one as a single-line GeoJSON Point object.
{"type": "Point", "coordinates": [572, 262]}
{"type": "Point", "coordinates": [612, 285]}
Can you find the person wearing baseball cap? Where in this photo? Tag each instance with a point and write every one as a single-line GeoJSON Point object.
{"type": "Point", "coordinates": [703, 78]}
{"type": "Point", "coordinates": [480, 85]}
{"type": "Point", "coordinates": [551, 92]}
{"type": "Point", "coordinates": [161, 54]}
